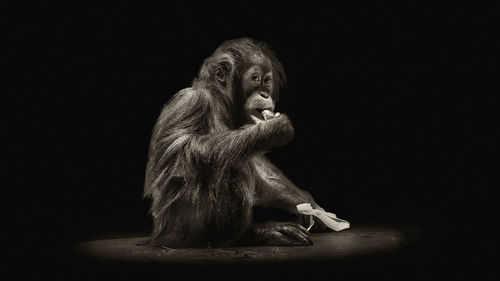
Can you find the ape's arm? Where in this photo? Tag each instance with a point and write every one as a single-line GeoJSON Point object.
{"type": "Point", "coordinates": [182, 135]}
{"type": "Point", "coordinates": [234, 146]}
{"type": "Point", "coordinates": [274, 189]}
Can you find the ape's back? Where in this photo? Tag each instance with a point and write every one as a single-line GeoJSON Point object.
{"type": "Point", "coordinates": [194, 202]}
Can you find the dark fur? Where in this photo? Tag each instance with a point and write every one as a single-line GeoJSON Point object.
{"type": "Point", "coordinates": [206, 168]}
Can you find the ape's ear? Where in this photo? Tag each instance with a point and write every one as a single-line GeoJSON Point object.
{"type": "Point", "coordinates": [223, 71]}
{"type": "Point", "coordinates": [218, 68]}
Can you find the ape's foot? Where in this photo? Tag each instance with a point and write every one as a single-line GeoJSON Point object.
{"type": "Point", "coordinates": [283, 234]}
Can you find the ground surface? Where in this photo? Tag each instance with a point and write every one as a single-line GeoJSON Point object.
{"type": "Point", "coordinates": [362, 251]}
{"type": "Point", "coordinates": [331, 245]}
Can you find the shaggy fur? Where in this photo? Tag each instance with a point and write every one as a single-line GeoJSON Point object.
{"type": "Point", "coordinates": [206, 168]}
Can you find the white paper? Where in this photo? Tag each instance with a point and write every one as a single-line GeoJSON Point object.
{"type": "Point", "coordinates": [329, 219]}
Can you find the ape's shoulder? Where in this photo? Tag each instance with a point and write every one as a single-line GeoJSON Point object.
{"type": "Point", "coordinates": [188, 92]}
{"type": "Point", "coordinates": [188, 97]}
{"type": "Point", "coordinates": [185, 101]}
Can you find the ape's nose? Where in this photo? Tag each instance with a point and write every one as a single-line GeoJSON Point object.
{"type": "Point", "coordinates": [264, 95]}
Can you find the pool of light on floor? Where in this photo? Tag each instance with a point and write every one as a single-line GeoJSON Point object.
{"type": "Point", "coordinates": [357, 241]}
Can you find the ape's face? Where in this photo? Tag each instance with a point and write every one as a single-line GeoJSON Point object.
{"type": "Point", "coordinates": [257, 86]}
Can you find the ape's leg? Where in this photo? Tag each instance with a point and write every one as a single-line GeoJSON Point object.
{"type": "Point", "coordinates": [275, 190]}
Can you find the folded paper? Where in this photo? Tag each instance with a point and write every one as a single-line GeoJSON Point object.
{"type": "Point", "coordinates": [329, 219]}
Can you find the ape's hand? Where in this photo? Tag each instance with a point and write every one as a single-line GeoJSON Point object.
{"type": "Point", "coordinates": [266, 115]}
{"type": "Point", "coordinates": [279, 129]}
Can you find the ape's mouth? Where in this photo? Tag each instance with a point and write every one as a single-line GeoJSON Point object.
{"type": "Point", "coordinates": [260, 110]}
{"type": "Point", "coordinates": [263, 113]}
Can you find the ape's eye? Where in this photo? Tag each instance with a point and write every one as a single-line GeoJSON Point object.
{"type": "Point", "coordinates": [256, 78]}
{"type": "Point", "coordinates": [268, 81]}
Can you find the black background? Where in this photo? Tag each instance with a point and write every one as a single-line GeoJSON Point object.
{"type": "Point", "coordinates": [393, 108]}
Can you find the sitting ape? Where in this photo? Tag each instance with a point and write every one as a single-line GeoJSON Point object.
{"type": "Point", "coordinates": [206, 168]}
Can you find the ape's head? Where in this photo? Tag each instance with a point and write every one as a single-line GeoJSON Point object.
{"type": "Point", "coordinates": [248, 75]}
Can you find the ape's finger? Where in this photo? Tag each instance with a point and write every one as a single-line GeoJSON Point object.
{"type": "Point", "coordinates": [281, 239]}
{"type": "Point", "coordinates": [302, 228]}
{"type": "Point", "coordinates": [305, 232]}
{"type": "Point", "coordinates": [297, 234]}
